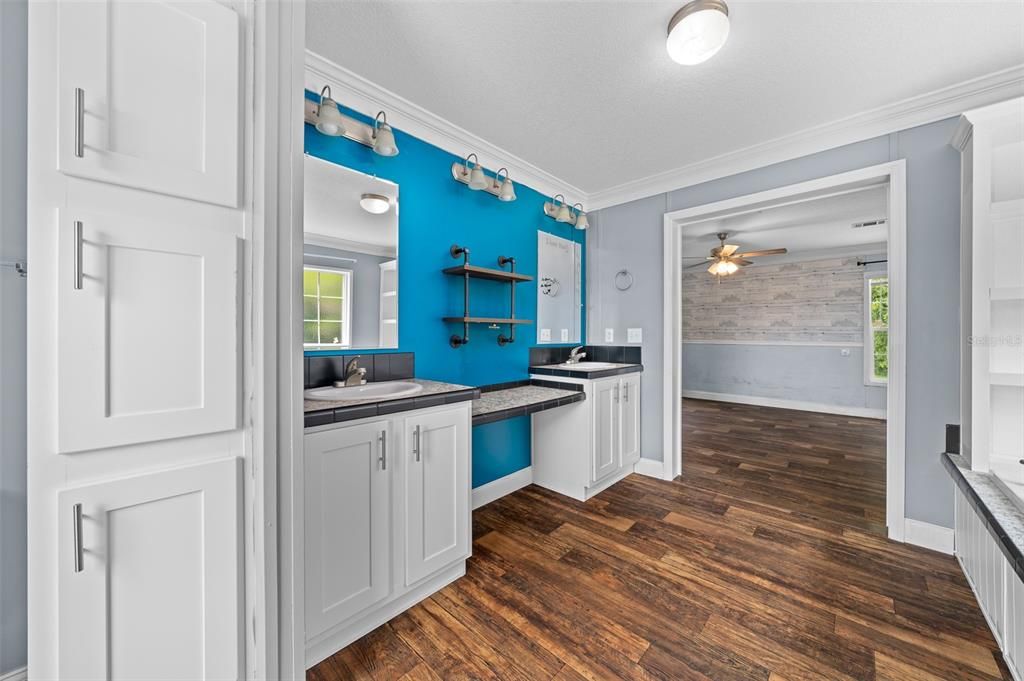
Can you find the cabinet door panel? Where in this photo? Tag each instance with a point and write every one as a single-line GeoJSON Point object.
{"type": "Point", "coordinates": [630, 418]}
{"type": "Point", "coordinates": [348, 522]}
{"type": "Point", "coordinates": [161, 86]}
{"type": "Point", "coordinates": [607, 446]}
{"type": "Point", "coordinates": [158, 594]}
{"type": "Point", "coordinates": [149, 342]}
{"type": "Point", "coordinates": [437, 521]}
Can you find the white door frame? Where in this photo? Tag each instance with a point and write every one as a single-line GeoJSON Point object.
{"type": "Point", "coordinates": [895, 174]}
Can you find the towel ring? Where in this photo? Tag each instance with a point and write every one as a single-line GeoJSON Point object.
{"type": "Point", "coordinates": [623, 280]}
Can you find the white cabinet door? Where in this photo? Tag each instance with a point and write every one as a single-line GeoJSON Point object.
{"type": "Point", "coordinates": [150, 576]}
{"type": "Point", "coordinates": [437, 491]}
{"type": "Point", "coordinates": [630, 412]}
{"type": "Point", "coordinates": [607, 445]}
{"type": "Point", "coordinates": [348, 522]}
{"type": "Point", "coordinates": [149, 96]}
{"type": "Point", "coordinates": [148, 315]}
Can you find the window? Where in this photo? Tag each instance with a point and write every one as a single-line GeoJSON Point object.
{"type": "Point", "coordinates": [326, 307]}
{"type": "Point", "coordinates": [876, 329]}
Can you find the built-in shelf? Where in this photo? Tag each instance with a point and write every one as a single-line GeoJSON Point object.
{"type": "Point", "coordinates": [1007, 379]}
{"type": "Point", "coordinates": [486, 273]}
{"type": "Point", "coordinates": [1007, 293]}
{"type": "Point", "coordinates": [487, 320]}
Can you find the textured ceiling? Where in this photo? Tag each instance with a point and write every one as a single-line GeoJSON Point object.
{"type": "Point", "coordinates": [585, 90]}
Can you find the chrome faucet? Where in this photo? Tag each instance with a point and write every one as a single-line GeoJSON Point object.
{"type": "Point", "coordinates": [353, 375]}
{"type": "Point", "coordinates": [575, 355]}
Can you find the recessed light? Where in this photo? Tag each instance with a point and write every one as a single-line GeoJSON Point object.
{"type": "Point", "coordinates": [697, 31]}
{"type": "Point", "coordinates": [375, 203]}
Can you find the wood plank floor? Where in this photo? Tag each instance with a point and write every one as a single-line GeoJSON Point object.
{"type": "Point", "coordinates": [762, 561]}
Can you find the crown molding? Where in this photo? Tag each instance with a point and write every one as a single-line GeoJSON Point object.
{"type": "Point", "coordinates": [367, 97]}
{"type": "Point", "coordinates": [908, 113]}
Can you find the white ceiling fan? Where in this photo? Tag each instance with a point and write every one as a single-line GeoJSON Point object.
{"type": "Point", "coordinates": [725, 260]}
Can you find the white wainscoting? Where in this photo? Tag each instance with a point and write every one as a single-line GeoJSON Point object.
{"type": "Point", "coordinates": [861, 412]}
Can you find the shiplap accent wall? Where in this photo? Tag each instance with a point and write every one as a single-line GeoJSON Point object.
{"type": "Point", "coordinates": [811, 301]}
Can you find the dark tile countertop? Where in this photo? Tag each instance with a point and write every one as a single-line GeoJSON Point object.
{"type": "Point", "coordinates": [1001, 516]}
{"type": "Point", "coordinates": [509, 400]}
{"type": "Point", "coordinates": [434, 394]}
{"type": "Point", "coordinates": [576, 372]}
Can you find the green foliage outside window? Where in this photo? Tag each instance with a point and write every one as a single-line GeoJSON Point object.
{"type": "Point", "coordinates": [323, 307]}
{"type": "Point", "coordinates": [879, 316]}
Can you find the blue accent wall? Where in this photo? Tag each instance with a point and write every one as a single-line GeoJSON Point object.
{"type": "Point", "coordinates": [434, 212]}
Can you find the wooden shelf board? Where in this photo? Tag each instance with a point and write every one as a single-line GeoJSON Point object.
{"type": "Point", "coordinates": [486, 273]}
{"type": "Point", "coordinates": [487, 320]}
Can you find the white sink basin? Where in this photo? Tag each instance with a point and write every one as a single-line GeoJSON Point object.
{"type": "Point", "coordinates": [589, 366]}
{"type": "Point", "coordinates": [364, 392]}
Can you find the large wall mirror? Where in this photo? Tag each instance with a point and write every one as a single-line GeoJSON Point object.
{"type": "Point", "coordinates": [350, 259]}
{"type": "Point", "coordinates": [559, 295]}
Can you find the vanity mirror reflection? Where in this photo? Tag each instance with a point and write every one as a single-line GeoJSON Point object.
{"type": "Point", "coordinates": [350, 259]}
{"type": "Point", "coordinates": [559, 296]}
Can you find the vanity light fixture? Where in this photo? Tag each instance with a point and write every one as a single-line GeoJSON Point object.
{"type": "Point", "coordinates": [375, 203]}
{"type": "Point", "coordinates": [327, 118]}
{"type": "Point", "coordinates": [476, 178]}
{"type": "Point", "coordinates": [559, 210]}
{"type": "Point", "coordinates": [697, 31]}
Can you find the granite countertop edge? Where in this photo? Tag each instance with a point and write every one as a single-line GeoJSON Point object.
{"type": "Point", "coordinates": [561, 370]}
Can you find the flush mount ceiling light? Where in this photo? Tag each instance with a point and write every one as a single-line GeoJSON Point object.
{"type": "Point", "coordinates": [375, 203]}
{"type": "Point", "coordinates": [474, 176]}
{"type": "Point", "coordinates": [559, 210]}
{"type": "Point", "coordinates": [327, 118]}
{"type": "Point", "coordinates": [698, 31]}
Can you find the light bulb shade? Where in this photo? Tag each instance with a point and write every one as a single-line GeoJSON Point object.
{"type": "Point", "coordinates": [730, 267]}
{"type": "Point", "coordinates": [507, 191]}
{"type": "Point", "coordinates": [698, 31]}
{"type": "Point", "coordinates": [477, 178]}
{"type": "Point", "coordinates": [563, 214]}
{"type": "Point", "coordinates": [328, 120]}
{"type": "Point", "coordinates": [375, 203]}
{"type": "Point", "coordinates": [384, 141]}
{"type": "Point", "coordinates": [581, 220]}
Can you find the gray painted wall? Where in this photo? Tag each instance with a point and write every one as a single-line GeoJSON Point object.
{"type": "Point", "coordinates": [13, 128]}
{"type": "Point", "coordinates": [631, 235]}
{"type": "Point", "coordinates": [817, 374]}
{"type": "Point", "coordinates": [365, 289]}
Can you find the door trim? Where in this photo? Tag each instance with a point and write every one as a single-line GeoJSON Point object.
{"type": "Point", "coordinates": [894, 173]}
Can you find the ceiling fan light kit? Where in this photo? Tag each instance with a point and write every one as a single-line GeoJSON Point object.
{"type": "Point", "coordinates": [725, 260]}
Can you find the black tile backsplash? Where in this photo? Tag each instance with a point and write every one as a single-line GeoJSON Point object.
{"type": "Point", "coordinates": [622, 354]}
{"type": "Point", "coordinates": [391, 366]}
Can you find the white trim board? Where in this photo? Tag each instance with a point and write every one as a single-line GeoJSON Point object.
{"type": "Point", "coordinates": [809, 344]}
{"type": "Point", "coordinates": [650, 468]}
{"type": "Point", "coordinates": [908, 113]}
{"type": "Point", "coordinates": [927, 535]}
{"type": "Point", "coordinates": [352, 90]}
{"type": "Point", "coordinates": [779, 403]}
{"type": "Point", "coordinates": [496, 489]}
{"type": "Point", "coordinates": [15, 675]}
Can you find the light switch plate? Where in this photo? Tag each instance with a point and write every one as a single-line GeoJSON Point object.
{"type": "Point", "coordinates": [609, 335]}
{"type": "Point", "coordinates": [634, 335]}
{"type": "Point", "coordinates": [565, 335]}
{"type": "Point", "coordinates": [545, 334]}
{"type": "Point", "coordinates": [845, 352]}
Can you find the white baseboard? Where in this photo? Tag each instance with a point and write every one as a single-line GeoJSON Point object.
{"type": "Point", "coordinates": [496, 489]}
{"type": "Point", "coordinates": [15, 675]}
{"type": "Point", "coordinates": [650, 468]}
{"type": "Point", "coordinates": [927, 535]}
{"type": "Point", "coordinates": [861, 412]}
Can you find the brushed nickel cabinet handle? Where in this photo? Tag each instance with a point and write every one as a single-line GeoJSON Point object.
{"type": "Point", "coordinates": [76, 531]}
{"type": "Point", "coordinates": [383, 450]}
{"type": "Point", "coordinates": [416, 442]}
{"type": "Point", "coordinates": [78, 255]}
{"type": "Point", "coordinates": [79, 122]}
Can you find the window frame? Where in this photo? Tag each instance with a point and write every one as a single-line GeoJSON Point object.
{"type": "Point", "coordinates": [346, 321]}
{"type": "Point", "coordinates": [869, 332]}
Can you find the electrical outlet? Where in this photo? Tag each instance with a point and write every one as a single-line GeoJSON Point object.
{"type": "Point", "coordinates": [609, 335]}
{"type": "Point", "coordinates": [545, 334]}
{"type": "Point", "coordinates": [845, 352]}
{"type": "Point", "coordinates": [634, 335]}
{"type": "Point", "coordinates": [565, 335]}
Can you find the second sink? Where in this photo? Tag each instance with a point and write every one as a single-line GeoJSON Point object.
{"type": "Point", "coordinates": [364, 392]}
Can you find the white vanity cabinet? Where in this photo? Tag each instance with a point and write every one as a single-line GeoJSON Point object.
{"type": "Point", "coordinates": [387, 519]}
{"type": "Point", "coordinates": [583, 448]}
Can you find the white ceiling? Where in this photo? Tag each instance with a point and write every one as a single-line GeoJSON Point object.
{"type": "Point", "coordinates": [585, 90]}
{"type": "Point", "coordinates": [331, 209]}
{"type": "Point", "coordinates": [809, 228]}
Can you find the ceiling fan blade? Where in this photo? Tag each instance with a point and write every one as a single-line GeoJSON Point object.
{"type": "Point", "coordinates": [697, 257]}
{"type": "Point", "coordinates": [740, 261]}
{"type": "Point", "coordinates": [715, 251]}
{"type": "Point", "coordinates": [729, 249]}
{"type": "Point", "coordinates": [699, 264]}
{"type": "Point", "coordinates": [769, 251]}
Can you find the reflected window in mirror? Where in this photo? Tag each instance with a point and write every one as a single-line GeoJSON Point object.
{"type": "Point", "coordinates": [350, 259]}
{"type": "Point", "coordinates": [559, 293]}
